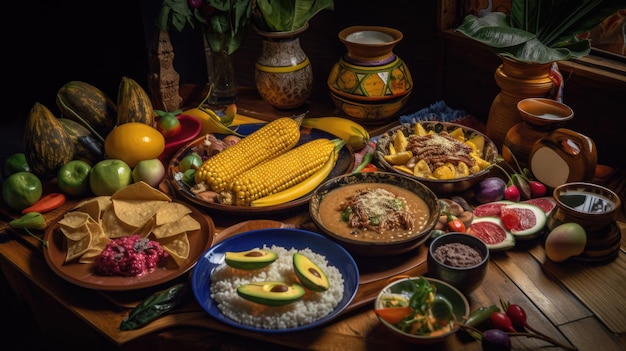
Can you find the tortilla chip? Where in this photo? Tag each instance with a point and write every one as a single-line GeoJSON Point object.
{"type": "Point", "coordinates": [113, 227]}
{"type": "Point", "coordinates": [76, 248]}
{"type": "Point", "coordinates": [136, 212]}
{"type": "Point", "coordinates": [171, 212]}
{"type": "Point", "coordinates": [102, 201]}
{"type": "Point", "coordinates": [74, 220]}
{"type": "Point", "coordinates": [146, 229]}
{"type": "Point", "coordinates": [184, 224]}
{"type": "Point", "coordinates": [177, 246]}
{"type": "Point", "coordinates": [140, 191]}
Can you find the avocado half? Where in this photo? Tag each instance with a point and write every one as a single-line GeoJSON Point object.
{"type": "Point", "coordinates": [251, 259]}
{"type": "Point", "coordinates": [271, 293]}
{"type": "Point", "coordinates": [309, 273]}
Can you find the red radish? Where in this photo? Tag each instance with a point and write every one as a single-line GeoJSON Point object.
{"type": "Point", "coordinates": [500, 320]}
{"type": "Point", "coordinates": [512, 193]}
{"type": "Point", "coordinates": [537, 189]}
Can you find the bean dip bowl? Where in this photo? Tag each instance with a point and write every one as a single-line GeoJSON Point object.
{"type": "Point", "coordinates": [459, 259]}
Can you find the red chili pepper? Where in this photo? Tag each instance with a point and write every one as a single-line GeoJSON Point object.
{"type": "Point", "coordinates": [47, 203]}
{"type": "Point", "coordinates": [454, 224]}
{"type": "Point", "coordinates": [394, 315]}
{"type": "Point", "coordinates": [369, 168]}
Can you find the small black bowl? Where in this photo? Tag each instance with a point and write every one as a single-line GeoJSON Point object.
{"type": "Point", "coordinates": [467, 278]}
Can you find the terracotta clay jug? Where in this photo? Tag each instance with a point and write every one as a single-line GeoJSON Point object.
{"type": "Point", "coordinates": [517, 81]}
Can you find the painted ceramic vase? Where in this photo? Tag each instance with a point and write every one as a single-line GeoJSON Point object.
{"type": "Point", "coordinates": [370, 83]}
{"type": "Point", "coordinates": [283, 73]}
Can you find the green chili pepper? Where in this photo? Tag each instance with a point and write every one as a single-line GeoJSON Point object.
{"type": "Point", "coordinates": [154, 306]}
{"type": "Point", "coordinates": [31, 220]}
{"type": "Point", "coordinates": [367, 159]}
{"type": "Point", "coordinates": [480, 315]}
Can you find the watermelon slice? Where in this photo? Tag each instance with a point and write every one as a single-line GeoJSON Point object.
{"type": "Point", "coordinates": [524, 221]}
{"type": "Point", "coordinates": [491, 209]}
{"type": "Point", "coordinates": [492, 232]}
{"type": "Point", "coordinates": [547, 203]}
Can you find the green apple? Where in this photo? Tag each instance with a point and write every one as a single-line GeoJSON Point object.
{"type": "Point", "coordinates": [150, 171]}
{"type": "Point", "coordinates": [192, 160]}
{"type": "Point", "coordinates": [15, 163]}
{"type": "Point", "coordinates": [108, 176]}
{"type": "Point", "coordinates": [21, 189]}
{"type": "Point", "coordinates": [73, 178]}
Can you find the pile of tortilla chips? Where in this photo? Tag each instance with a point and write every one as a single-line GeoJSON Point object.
{"type": "Point", "coordinates": [136, 209]}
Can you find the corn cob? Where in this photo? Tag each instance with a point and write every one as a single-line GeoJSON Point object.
{"type": "Point", "coordinates": [305, 186]}
{"type": "Point", "coordinates": [279, 173]}
{"type": "Point", "coordinates": [271, 140]}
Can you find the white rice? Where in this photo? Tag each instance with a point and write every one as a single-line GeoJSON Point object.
{"type": "Point", "coordinates": [312, 306]}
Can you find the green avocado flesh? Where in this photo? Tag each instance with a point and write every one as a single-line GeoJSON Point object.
{"type": "Point", "coordinates": [251, 259]}
{"type": "Point", "coordinates": [271, 293]}
{"type": "Point", "coordinates": [309, 273]}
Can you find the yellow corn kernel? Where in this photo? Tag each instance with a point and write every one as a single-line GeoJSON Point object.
{"type": "Point", "coordinates": [271, 140]}
{"type": "Point", "coordinates": [279, 173]}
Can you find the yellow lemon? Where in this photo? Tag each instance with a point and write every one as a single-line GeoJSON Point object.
{"type": "Point", "coordinates": [133, 142]}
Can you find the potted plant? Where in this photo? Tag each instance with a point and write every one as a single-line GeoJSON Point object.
{"type": "Point", "coordinates": [530, 40]}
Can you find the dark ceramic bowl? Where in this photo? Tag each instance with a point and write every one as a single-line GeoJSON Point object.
{"type": "Point", "coordinates": [467, 278]}
{"type": "Point", "coordinates": [402, 285]}
{"type": "Point", "coordinates": [592, 206]}
{"type": "Point", "coordinates": [368, 247]}
{"type": "Point", "coordinates": [439, 186]}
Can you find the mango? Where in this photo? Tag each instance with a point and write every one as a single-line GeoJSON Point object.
{"type": "Point", "coordinates": [565, 241]}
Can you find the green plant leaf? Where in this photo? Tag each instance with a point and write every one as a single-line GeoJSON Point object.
{"type": "Point", "coordinates": [555, 27]}
{"type": "Point", "coordinates": [288, 15]}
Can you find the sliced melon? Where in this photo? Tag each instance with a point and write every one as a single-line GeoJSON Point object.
{"type": "Point", "coordinates": [492, 232]}
{"type": "Point", "coordinates": [524, 221]}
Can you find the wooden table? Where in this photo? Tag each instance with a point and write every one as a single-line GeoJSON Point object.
{"type": "Point", "coordinates": [585, 309]}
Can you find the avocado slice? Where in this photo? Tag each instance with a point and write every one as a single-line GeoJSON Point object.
{"type": "Point", "coordinates": [271, 293]}
{"type": "Point", "coordinates": [309, 273]}
{"type": "Point", "coordinates": [251, 259]}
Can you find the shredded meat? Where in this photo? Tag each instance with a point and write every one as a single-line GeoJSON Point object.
{"type": "Point", "coordinates": [437, 149]}
{"type": "Point", "coordinates": [378, 210]}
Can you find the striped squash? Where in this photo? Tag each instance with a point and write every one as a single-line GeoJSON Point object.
{"type": "Point", "coordinates": [133, 104]}
{"type": "Point", "coordinates": [47, 145]}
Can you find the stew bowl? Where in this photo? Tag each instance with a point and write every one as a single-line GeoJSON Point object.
{"type": "Point", "coordinates": [334, 204]}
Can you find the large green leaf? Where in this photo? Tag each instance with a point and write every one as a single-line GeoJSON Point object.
{"type": "Point", "coordinates": [493, 30]}
{"type": "Point", "coordinates": [540, 30]}
{"type": "Point", "coordinates": [288, 15]}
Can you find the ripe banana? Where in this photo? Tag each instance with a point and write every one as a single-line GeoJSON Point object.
{"type": "Point", "coordinates": [305, 186]}
{"type": "Point", "coordinates": [211, 122]}
{"type": "Point", "coordinates": [351, 132]}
